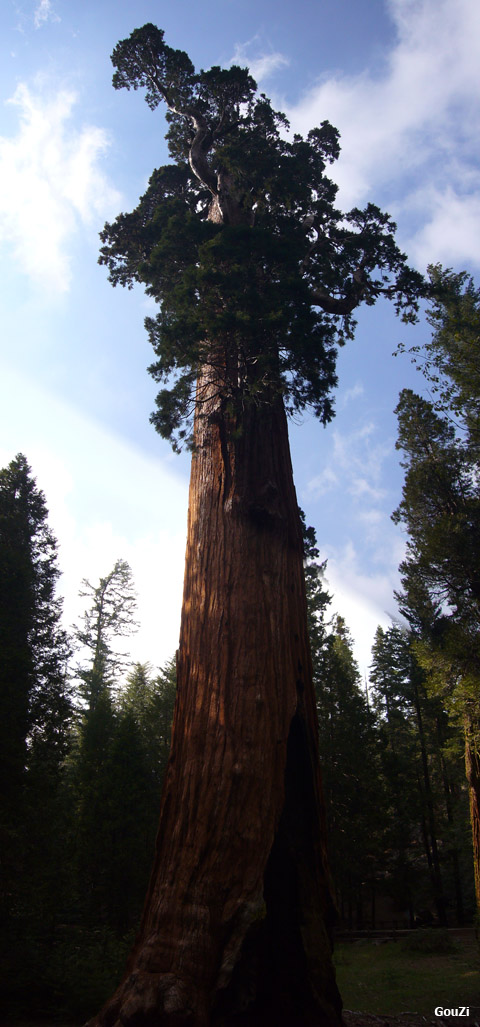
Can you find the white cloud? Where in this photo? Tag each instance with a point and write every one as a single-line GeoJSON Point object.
{"type": "Point", "coordinates": [43, 13]}
{"type": "Point", "coordinates": [364, 600]}
{"type": "Point", "coordinates": [447, 210]}
{"type": "Point", "coordinates": [355, 465]}
{"type": "Point", "coordinates": [106, 500]}
{"type": "Point", "coordinates": [351, 394]}
{"type": "Point", "coordinates": [414, 124]}
{"type": "Point", "coordinates": [360, 457]}
{"type": "Point", "coordinates": [324, 482]}
{"type": "Point", "coordinates": [261, 64]}
{"type": "Point", "coordinates": [52, 183]}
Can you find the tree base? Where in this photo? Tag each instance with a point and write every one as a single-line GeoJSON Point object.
{"type": "Point", "coordinates": [280, 973]}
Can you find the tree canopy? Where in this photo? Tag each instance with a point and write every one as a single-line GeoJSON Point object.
{"type": "Point", "coordinates": [256, 271]}
{"type": "Point", "coordinates": [440, 509]}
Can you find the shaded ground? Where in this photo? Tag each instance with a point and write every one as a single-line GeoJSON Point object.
{"type": "Point", "coordinates": [353, 1019]}
{"type": "Point", "coordinates": [385, 977]}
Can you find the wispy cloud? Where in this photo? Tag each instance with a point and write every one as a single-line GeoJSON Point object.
{"type": "Point", "coordinates": [261, 62]}
{"type": "Point", "coordinates": [364, 599]}
{"type": "Point", "coordinates": [351, 394]}
{"type": "Point", "coordinates": [355, 464]}
{"type": "Point", "coordinates": [93, 516]}
{"type": "Point", "coordinates": [324, 482]}
{"type": "Point", "coordinates": [360, 456]}
{"type": "Point", "coordinates": [44, 12]}
{"type": "Point", "coordinates": [52, 182]}
{"type": "Point", "coordinates": [413, 126]}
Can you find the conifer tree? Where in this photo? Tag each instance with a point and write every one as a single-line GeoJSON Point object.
{"type": "Point", "coordinates": [34, 697]}
{"type": "Point", "coordinates": [350, 766]}
{"type": "Point", "coordinates": [440, 509]}
{"type": "Point", "coordinates": [407, 716]}
{"type": "Point", "coordinates": [257, 275]}
{"type": "Point", "coordinates": [35, 722]}
{"type": "Point", "coordinates": [109, 616]}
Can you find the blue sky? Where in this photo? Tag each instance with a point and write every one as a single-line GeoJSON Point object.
{"type": "Point", "coordinates": [400, 79]}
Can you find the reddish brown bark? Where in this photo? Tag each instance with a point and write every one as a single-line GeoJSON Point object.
{"type": "Point", "coordinates": [237, 920]}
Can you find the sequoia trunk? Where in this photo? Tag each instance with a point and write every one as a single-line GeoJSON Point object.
{"type": "Point", "coordinates": [237, 921]}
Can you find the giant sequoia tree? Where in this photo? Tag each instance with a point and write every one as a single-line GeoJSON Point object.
{"type": "Point", "coordinates": [256, 274]}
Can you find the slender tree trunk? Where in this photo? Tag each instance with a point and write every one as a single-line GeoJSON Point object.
{"type": "Point", "coordinates": [237, 922]}
{"type": "Point", "coordinates": [472, 766]}
{"type": "Point", "coordinates": [449, 806]}
{"type": "Point", "coordinates": [427, 799]}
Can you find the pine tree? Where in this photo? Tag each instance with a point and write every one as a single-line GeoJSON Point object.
{"type": "Point", "coordinates": [150, 702]}
{"type": "Point", "coordinates": [423, 780]}
{"type": "Point", "coordinates": [252, 265]}
{"type": "Point", "coordinates": [139, 755]}
{"type": "Point", "coordinates": [348, 754]}
{"type": "Point", "coordinates": [34, 648]}
{"type": "Point", "coordinates": [35, 721]}
{"type": "Point", "coordinates": [109, 616]}
{"type": "Point", "coordinates": [440, 509]}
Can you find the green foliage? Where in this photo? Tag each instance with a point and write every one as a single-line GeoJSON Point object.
{"type": "Point", "coordinates": [353, 792]}
{"type": "Point", "coordinates": [255, 271]}
{"type": "Point", "coordinates": [149, 701]}
{"type": "Point", "coordinates": [348, 740]}
{"type": "Point", "coordinates": [440, 505]}
{"type": "Point", "coordinates": [80, 791]}
{"type": "Point", "coordinates": [425, 836]}
{"type": "Point", "coordinates": [318, 599]}
{"type": "Point", "coordinates": [84, 969]}
{"type": "Point", "coordinates": [110, 616]}
{"type": "Point", "coordinates": [449, 361]}
{"type": "Point", "coordinates": [440, 509]}
{"type": "Point", "coordinates": [35, 726]}
{"type": "Point", "coordinates": [35, 701]}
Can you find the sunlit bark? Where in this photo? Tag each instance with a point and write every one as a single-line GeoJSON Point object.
{"type": "Point", "coordinates": [237, 920]}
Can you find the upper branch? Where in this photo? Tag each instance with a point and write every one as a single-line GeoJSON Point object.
{"type": "Point", "coordinates": [202, 139]}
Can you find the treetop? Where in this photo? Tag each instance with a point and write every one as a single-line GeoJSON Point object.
{"type": "Point", "coordinates": [240, 242]}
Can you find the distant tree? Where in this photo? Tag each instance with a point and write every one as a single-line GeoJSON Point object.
{"type": "Point", "coordinates": [95, 772]}
{"type": "Point", "coordinates": [35, 722]}
{"type": "Point", "coordinates": [139, 754]}
{"type": "Point", "coordinates": [440, 509]}
{"type": "Point", "coordinates": [348, 743]}
{"type": "Point", "coordinates": [318, 599]}
{"type": "Point", "coordinates": [406, 715]}
{"type": "Point", "coordinates": [34, 697]}
{"type": "Point", "coordinates": [111, 615]}
{"type": "Point", "coordinates": [257, 275]}
{"type": "Point", "coordinates": [150, 702]}
{"type": "Point", "coordinates": [449, 360]}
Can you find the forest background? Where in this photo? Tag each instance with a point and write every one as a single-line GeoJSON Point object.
{"type": "Point", "coordinates": [69, 804]}
{"type": "Point", "coordinates": [401, 86]}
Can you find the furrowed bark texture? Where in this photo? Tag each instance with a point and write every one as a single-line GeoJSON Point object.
{"type": "Point", "coordinates": [237, 920]}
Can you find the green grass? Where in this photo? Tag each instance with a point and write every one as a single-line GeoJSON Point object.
{"type": "Point", "coordinates": [391, 979]}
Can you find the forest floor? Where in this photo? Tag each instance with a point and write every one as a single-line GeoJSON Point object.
{"type": "Point", "coordinates": [386, 978]}
{"type": "Point", "coordinates": [395, 985]}
{"type": "Point", "coordinates": [353, 1019]}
